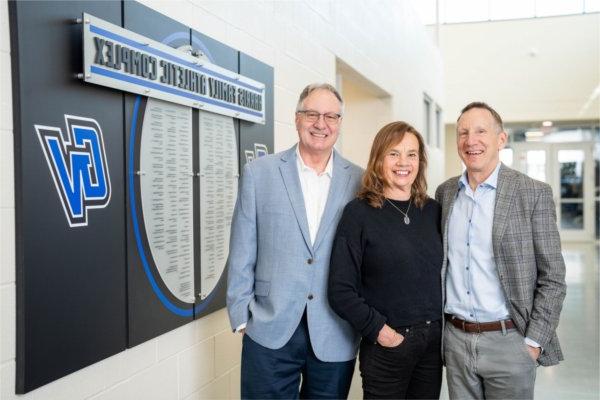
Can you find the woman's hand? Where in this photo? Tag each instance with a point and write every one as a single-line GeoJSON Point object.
{"type": "Point", "coordinates": [389, 338]}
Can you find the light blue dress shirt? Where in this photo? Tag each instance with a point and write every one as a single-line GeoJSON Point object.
{"type": "Point", "coordinates": [473, 289]}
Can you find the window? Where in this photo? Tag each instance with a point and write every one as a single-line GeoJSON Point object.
{"type": "Point", "coordinates": [459, 11]}
{"type": "Point", "coordinates": [427, 136]}
{"type": "Point", "coordinates": [439, 126]}
{"type": "Point", "coordinates": [557, 7]}
{"type": "Point", "coordinates": [511, 9]}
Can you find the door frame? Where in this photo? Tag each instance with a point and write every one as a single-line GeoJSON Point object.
{"type": "Point", "coordinates": [552, 174]}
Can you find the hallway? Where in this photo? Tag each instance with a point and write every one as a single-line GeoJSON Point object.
{"type": "Point", "coordinates": [578, 376]}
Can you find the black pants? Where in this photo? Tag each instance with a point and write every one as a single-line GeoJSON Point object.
{"type": "Point", "coordinates": [412, 370]}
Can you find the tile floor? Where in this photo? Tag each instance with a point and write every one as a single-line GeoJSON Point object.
{"type": "Point", "coordinates": [578, 376]}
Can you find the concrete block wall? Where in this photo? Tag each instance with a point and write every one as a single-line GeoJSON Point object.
{"type": "Point", "coordinates": [302, 40]}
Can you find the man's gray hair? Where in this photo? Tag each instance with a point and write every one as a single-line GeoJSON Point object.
{"type": "Point", "coordinates": [318, 86]}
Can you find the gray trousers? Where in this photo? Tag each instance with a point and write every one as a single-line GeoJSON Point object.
{"type": "Point", "coordinates": [488, 365]}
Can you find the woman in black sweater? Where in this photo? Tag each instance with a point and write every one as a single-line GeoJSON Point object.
{"type": "Point", "coordinates": [385, 267]}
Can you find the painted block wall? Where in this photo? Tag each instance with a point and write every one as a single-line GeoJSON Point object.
{"type": "Point", "coordinates": [302, 40]}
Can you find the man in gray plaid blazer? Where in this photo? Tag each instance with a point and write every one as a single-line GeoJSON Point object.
{"type": "Point", "coordinates": [503, 274]}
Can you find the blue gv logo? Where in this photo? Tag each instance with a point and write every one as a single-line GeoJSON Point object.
{"type": "Point", "coordinates": [78, 166]}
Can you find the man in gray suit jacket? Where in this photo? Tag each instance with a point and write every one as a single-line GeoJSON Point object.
{"type": "Point", "coordinates": [283, 226]}
{"type": "Point", "coordinates": [503, 277]}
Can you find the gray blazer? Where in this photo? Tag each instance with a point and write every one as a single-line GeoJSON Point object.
{"type": "Point", "coordinates": [527, 254]}
{"type": "Point", "coordinates": [274, 272]}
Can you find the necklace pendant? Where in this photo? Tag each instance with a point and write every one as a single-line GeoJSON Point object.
{"type": "Point", "coordinates": [406, 220]}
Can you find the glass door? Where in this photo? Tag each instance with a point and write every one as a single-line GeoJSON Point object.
{"type": "Point", "coordinates": [569, 169]}
{"type": "Point", "coordinates": [533, 159]}
{"type": "Point", "coordinates": [573, 190]}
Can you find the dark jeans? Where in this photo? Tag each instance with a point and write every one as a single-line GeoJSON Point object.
{"type": "Point", "coordinates": [275, 374]}
{"type": "Point", "coordinates": [412, 370]}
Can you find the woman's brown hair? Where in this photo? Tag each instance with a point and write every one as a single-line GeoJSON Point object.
{"type": "Point", "coordinates": [373, 180]}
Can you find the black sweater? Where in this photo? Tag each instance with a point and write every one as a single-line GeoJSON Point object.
{"type": "Point", "coordinates": [384, 271]}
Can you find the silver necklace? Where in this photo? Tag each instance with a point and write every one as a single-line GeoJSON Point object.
{"type": "Point", "coordinates": [406, 219]}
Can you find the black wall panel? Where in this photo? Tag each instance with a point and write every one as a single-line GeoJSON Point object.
{"type": "Point", "coordinates": [153, 25]}
{"type": "Point", "coordinates": [218, 53]}
{"type": "Point", "coordinates": [70, 281]}
{"type": "Point", "coordinates": [148, 315]}
{"type": "Point", "coordinates": [251, 133]}
{"type": "Point", "coordinates": [82, 291]}
{"type": "Point", "coordinates": [228, 58]}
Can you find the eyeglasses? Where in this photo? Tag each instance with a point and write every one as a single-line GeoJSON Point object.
{"type": "Point", "coordinates": [313, 116]}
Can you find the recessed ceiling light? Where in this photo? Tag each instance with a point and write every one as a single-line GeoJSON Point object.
{"type": "Point", "coordinates": [547, 123]}
{"type": "Point", "coordinates": [534, 134]}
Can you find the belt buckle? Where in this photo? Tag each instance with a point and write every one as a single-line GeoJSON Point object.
{"type": "Point", "coordinates": [503, 326]}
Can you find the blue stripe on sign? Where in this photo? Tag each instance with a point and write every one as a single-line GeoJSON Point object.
{"type": "Point", "coordinates": [136, 230]}
{"type": "Point", "coordinates": [148, 49]}
{"type": "Point", "coordinates": [170, 90]}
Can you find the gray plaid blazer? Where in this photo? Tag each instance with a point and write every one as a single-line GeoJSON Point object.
{"type": "Point", "coordinates": [527, 254]}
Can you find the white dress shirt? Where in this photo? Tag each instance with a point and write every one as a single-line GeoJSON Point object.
{"type": "Point", "coordinates": [315, 189]}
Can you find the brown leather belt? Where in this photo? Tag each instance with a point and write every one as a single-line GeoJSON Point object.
{"type": "Point", "coordinates": [474, 327]}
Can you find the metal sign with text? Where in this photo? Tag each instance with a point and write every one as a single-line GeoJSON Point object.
{"type": "Point", "coordinates": [121, 59]}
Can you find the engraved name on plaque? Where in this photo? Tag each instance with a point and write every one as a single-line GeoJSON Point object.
{"type": "Point", "coordinates": [166, 186]}
{"type": "Point", "coordinates": [218, 191]}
